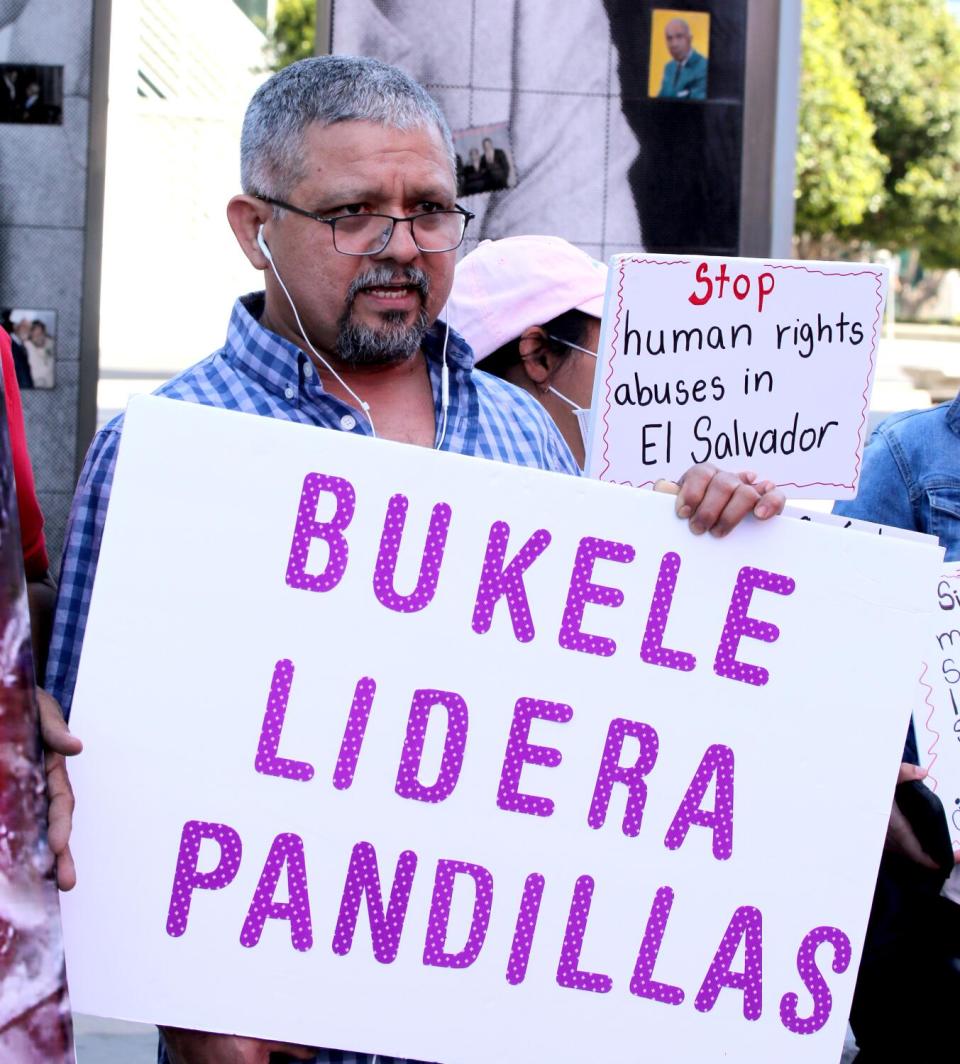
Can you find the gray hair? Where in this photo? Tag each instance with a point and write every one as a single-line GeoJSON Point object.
{"type": "Point", "coordinates": [325, 90]}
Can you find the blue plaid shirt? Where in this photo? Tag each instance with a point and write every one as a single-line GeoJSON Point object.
{"type": "Point", "coordinates": [258, 372]}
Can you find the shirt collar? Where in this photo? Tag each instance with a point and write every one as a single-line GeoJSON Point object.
{"type": "Point", "coordinates": [277, 363]}
{"type": "Point", "coordinates": [953, 416]}
{"type": "Point", "coordinates": [270, 360]}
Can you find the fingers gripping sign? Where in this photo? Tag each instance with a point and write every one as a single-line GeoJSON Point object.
{"type": "Point", "coordinates": [716, 501]}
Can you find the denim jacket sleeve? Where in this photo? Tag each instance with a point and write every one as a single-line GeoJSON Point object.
{"type": "Point", "coordinates": [884, 494]}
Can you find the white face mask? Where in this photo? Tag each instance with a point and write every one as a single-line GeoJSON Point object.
{"type": "Point", "coordinates": [582, 414]}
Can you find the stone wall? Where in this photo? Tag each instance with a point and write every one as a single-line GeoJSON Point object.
{"type": "Point", "coordinates": [44, 192]}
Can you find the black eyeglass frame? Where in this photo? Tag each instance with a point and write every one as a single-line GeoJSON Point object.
{"type": "Point", "coordinates": [467, 216]}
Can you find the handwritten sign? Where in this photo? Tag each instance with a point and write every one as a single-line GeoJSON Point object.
{"type": "Point", "coordinates": [937, 722]}
{"type": "Point", "coordinates": [746, 363]}
{"type": "Point", "coordinates": [430, 756]}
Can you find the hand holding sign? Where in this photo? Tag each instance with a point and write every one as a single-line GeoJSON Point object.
{"type": "Point", "coordinates": [716, 501]}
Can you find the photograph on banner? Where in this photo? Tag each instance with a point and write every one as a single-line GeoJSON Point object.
{"type": "Point", "coordinates": [35, 1023]}
{"type": "Point", "coordinates": [600, 160]}
{"type": "Point", "coordinates": [31, 94]}
{"type": "Point", "coordinates": [492, 763]}
{"type": "Point", "coordinates": [33, 337]}
{"type": "Point", "coordinates": [937, 719]}
{"type": "Point", "coordinates": [679, 54]}
{"type": "Point", "coordinates": [549, 77]}
{"type": "Point", "coordinates": [484, 160]}
{"type": "Point", "coordinates": [738, 362]}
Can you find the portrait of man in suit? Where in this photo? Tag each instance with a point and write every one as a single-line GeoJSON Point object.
{"type": "Point", "coordinates": [685, 74]}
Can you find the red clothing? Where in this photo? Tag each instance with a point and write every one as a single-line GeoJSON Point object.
{"type": "Point", "coordinates": [35, 561]}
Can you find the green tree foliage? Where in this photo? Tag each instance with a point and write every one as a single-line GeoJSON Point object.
{"type": "Point", "coordinates": [292, 33]}
{"type": "Point", "coordinates": [839, 170]}
{"type": "Point", "coordinates": [879, 146]}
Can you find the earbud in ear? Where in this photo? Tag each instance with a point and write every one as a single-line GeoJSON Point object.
{"type": "Point", "coordinates": [262, 244]}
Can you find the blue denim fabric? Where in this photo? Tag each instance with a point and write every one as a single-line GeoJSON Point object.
{"type": "Point", "coordinates": [911, 475]}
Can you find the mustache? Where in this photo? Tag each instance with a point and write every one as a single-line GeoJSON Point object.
{"type": "Point", "coordinates": [380, 276]}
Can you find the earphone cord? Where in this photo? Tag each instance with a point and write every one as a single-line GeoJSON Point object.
{"type": "Point", "coordinates": [444, 386]}
{"type": "Point", "coordinates": [365, 407]}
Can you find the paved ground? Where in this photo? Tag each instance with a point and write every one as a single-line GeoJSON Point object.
{"type": "Point", "coordinates": [112, 1042]}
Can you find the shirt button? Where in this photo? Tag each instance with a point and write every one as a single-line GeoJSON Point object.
{"type": "Point", "coordinates": [289, 392]}
{"type": "Point", "coordinates": [348, 422]}
{"type": "Point", "coordinates": [307, 369]}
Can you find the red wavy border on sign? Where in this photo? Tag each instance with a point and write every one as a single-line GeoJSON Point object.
{"type": "Point", "coordinates": [931, 779]}
{"type": "Point", "coordinates": [864, 410]}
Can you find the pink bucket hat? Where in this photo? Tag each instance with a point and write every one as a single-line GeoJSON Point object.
{"type": "Point", "coordinates": [504, 286]}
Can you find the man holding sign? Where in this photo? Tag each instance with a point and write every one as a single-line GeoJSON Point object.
{"type": "Point", "coordinates": [348, 207]}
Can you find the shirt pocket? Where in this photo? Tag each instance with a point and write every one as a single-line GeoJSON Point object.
{"type": "Point", "coordinates": [945, 518]}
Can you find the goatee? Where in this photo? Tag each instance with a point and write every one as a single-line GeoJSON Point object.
{"type": "Point", "coordinates": [395, 340]}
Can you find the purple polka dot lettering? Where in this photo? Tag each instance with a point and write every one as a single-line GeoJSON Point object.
{"type": "Point", "coordinates": [746, 925]}
{"type": "Point", "coordinates": [611, 772]}
{"type": "Point", "coordinates": [569, 972]}
{"type": "Point", "coordinates": [454, 745]}
{"type": "Point", "coordinates": [643, 984]}
{"type": "Point", "coordinates": [717, 761]}
{"type": "Point", "coordinates": [430, 560]}
{"type": "Point", "coordinates": [308, 529]}
{"type": "Point", "coordinates": [268, 762]}
{"type": "Point", "coordinates": [813, 980]}
{"type": "Point", "coordinates": [520, 752]}
{"type": "Point", "coordinates": [189, 878]}
{"type": "Point", "coordinates": [652, 649]}
{"type": "Point", "coordinates": [287, 850]}
{"type": "Point", "coordinates": [363, 878]}
{"type": "Point", "coordinates": [583, 591]}
{"type": "Point", "coordinates": [435, 951]}
{"type": "Point", "coordinates": [499, 580]}
{"type": "Point", "coordinates": [738, 624]}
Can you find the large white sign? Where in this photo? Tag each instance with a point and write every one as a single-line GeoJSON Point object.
{"type": "Point", "coordinates": [425, 755]}
{"type": "Point", "coordinates": [746, 363]}
{"type": "Point", "coordinates": [937, 722]}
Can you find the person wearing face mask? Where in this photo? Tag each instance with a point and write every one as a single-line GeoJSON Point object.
{"type": "Point", "coordinates": [530, 308]}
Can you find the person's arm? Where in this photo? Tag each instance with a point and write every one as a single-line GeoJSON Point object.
{"type": "Point", "coordinates": [698, 87]}
{"type": "Point", "coordinates": [664, 89]}
{"type": "Point", "coordinates": [42, 596]}
{"type": "Point", "coordinates": [78, 568]}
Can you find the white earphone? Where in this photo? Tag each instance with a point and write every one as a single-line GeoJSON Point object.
{"type": "Point", "coordinates": [262, 245]}
{"type": "Point", "coordinates": [365, 407]}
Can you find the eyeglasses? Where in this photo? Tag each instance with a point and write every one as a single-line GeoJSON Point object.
{"type": "Point", "coordinates": [369, 234]}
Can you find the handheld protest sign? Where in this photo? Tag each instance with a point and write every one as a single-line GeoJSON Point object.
{"type": "Point", "coordinates": [746, 363]}
{"type": "Point", "coordinates": [937, 719]}
{"type": "Point", "coordinates": [423, 755]}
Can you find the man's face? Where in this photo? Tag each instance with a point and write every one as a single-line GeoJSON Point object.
{"type": "Point", "coordinates": [370, 308]}
{"type": "Point", "coordinates": [679, 40]}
